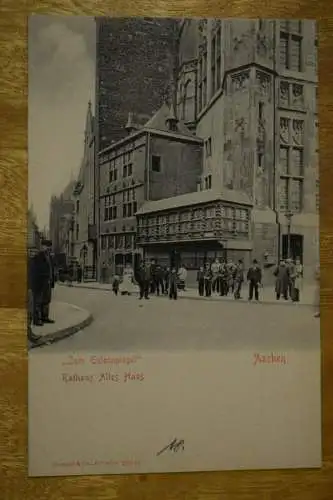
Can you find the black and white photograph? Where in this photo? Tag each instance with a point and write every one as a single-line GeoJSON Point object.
{"type": "Point", "coordinates": [173, 245]}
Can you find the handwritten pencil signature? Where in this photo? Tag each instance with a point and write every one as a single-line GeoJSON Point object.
{"type": "Point", "coordinates": [175, 446]}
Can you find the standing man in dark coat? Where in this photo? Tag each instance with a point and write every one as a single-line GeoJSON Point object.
{"type": "Point", "coordinates": [173, 284]}
{"type": "Point", "coordinates": [144, 279]}
{"type": "Point", "coordinates": [31, 300]}
{"type": "Point", "coordinates": [166, 279]}
{"type": "Point", "coordinates": [44, 282]}
{"type": "Point", "coordinates": [281, 274]}
{"type": "Point", "coordinates": [201, 281]}
{"type": "Point", "coordinates": [159, 280]}
{"type": "Point", "coordinates": [153, 276]}
{"type": "Point", "coordinates": [238, 280]}
{"type": "Point", "coordinates": [254, 277]}
{"type": "Point", "coordinates": [223, 275]}
{"type": "Point", "coordinates": [208, 280]}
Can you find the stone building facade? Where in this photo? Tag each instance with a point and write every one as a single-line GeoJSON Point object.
{"type": "Point", "coordinates": [195, 228]}
{"type": "Point", "coordinates": [246, 91]}
{"type": "Point", "coordinates": [160, 160]}
{"type": "Point", "coordinates": [135, 67]}
{"type": "Point", "coordinates": [249, 88]}
{"type": "Point", "coordinates": [61, 223]}
{"type": "Point", "coordinates": [84, 232]}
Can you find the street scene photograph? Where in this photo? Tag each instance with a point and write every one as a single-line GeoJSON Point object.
{"type": "Point", "coordinates": [173, 245]}
{"type": "Point", "coordinates": [174, 192]}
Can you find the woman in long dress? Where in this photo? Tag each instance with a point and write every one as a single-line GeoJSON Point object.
{"type": "Point", "coordinates": [127, 286]}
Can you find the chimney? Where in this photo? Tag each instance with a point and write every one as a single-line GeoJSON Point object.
{"type": "Point", "coordinates": [172, 120]}
{"type": "Point", "coordinates": [130, 127]}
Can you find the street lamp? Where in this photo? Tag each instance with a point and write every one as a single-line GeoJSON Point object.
{"type": "Point", "coordinates": [289, 216]}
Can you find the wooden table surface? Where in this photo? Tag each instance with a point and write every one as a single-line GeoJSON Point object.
{"type": "Point", "coordinates": [14, 484]}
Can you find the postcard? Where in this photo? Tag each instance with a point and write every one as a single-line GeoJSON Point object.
{"type": "Point", "coordinates": [173, 245]}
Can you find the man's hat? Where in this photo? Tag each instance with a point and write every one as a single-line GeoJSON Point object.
{"type": "Point", "coordinates": [46, 243]}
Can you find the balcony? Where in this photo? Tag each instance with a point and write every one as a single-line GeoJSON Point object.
{"type": "Point", "coordinates": [92, 232]}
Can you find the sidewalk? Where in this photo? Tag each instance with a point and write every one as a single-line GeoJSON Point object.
{"type": "Point", "coordinates": [69, 319]}
{"type": "Point", "coordinates": [267, 294]}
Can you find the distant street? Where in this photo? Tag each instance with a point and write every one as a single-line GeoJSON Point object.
{"type": "Point", "coordinates": [126, 323]}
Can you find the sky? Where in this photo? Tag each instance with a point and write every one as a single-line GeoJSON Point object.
{"type": "Point", "coordinates": [61, 83]}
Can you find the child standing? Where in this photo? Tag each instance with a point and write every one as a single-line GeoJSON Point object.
{"type": "Point", "coordinates": [173, 285]}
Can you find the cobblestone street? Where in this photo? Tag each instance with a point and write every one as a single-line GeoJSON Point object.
{"type": "Point", "coordinates": [126, 323]}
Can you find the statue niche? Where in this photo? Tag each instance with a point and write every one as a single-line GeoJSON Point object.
{"type": "Point", "coordinates": [263, 84]}
{"type": "Point", "coordinates": [264, 45]}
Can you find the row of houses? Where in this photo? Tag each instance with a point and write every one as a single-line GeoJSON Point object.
{"type": "Point", "coordinates": [227, 165]}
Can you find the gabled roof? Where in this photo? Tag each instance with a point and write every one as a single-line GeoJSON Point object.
{"type": "Point", "coordinates": [160, 122]}
{"type": "Point", "coordinates": [195, 198]}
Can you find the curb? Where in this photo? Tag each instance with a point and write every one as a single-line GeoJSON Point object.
{"type": "Point", "coordinates": [209, 299]}
{"type": "Point", "coordinates": [244, 301]}
{"type": "Point", "coordinates": [65, 332]}
{"type": "Point", "coordinates": [86, 287]}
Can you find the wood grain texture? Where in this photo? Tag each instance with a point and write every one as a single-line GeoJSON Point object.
{"type": "Point", "coordinates": [14, 484]}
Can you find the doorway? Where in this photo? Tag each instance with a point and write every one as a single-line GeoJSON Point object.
{"type": "Point", "coordinates": [296, 247]}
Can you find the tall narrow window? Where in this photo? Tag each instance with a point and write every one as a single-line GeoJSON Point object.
{"type": "Point", "coordinates": [296, 195]}
{"type": "Point", "coordinates": [213, 66]}
{"type": "Point", "coordinates": [284, 163]}
{"type": "Point", "coordinates": [261, 111]}
{"type": "Point", "coordinates": [204, 79]}
{"type": "Point", "coordinates": [260, 160]}
{"type": "Point", "coordinates": [218, 58]}
{"type": "Point", "coordinates": [283, 195]}
{"type": "Point", "coordinates": [208, 147]}
{"type": "Point", "coordinates": [295, 54]}
{"type": "Point", "coordinates": [291, 165]}
{"type": "Point", "coordinates": [291, 45]}
{"type": "Point", "coordinates": [156, 163]}
{"type": "Point", "coordinates": [284, 49]}
{"type": "Point", "coordinates": [200, 84]}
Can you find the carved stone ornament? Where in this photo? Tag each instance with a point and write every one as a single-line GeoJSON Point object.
{"type": "Point", "coordinates": [264, 44]}
{"type": "Point", "coordinates": [190, 66]}
{"type": "Point", "coordinates": [240, 125]}
{"type": "Point", "coordinates": [240, 81]}
{"type": "Point", "coordinates": [284, 130]}
{"type": "Point", "coordinates": [297, 95]}
{"type": "Point", "coordinates": [202, 24]}
{"type": "Point", "coordinates": [298, 132]}
{"type": "Point", "coordinates": [261, 132]}
{"type": "Point", "coordinates": [242, 40]}
{"type": "Point", "coordinates": [284, 93]}
{"type": "Point", "coordinates": [263, 81]}
{"type": "Point", "coordinates": [216, 24]}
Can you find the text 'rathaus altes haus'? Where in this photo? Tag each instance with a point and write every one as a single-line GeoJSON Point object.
{"type": "Point", "coordinates": [206, 143]}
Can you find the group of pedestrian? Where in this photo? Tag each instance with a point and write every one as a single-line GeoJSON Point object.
{"type": "Point", "coordinates": [224, 278]}
{"type": "Point", "coordinates": [288, 279]}
{"type": "Point", "coordinates": [221, 278]}
{"type": "Point", "coordinates": [41, 280]}
{"type": "Point", "coordinates": [152, 279]}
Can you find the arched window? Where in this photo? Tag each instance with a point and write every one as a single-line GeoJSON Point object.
{"type": "Point", "coordinates": [185, 98]}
